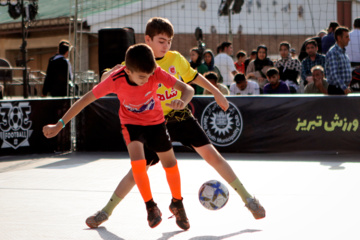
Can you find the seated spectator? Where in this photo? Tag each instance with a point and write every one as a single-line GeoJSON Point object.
{"type": "Point", "coordinates": [240, 63]}
{"type": "Point", "coordinates": [210, 63]}
{"type": "Point", "coordinates": [249, 59]}
{"type": "Point", "coordinates": [196, 63]}
{"type": "Point", "coordinates": [319, 85]}
{"type": "Point", "coordinates": [289, 68]}
{"type": "Point", "coordinates": [275, 85]}
{"type": "Point", "coordinates": [317, 38]}
{"type": "Point", "coordinates": [213, 78]}
{"type": "Point", "coordinates": [310, 61]}
{"type": "Point", "coordinates": [257, 68]}
{"type": "Point", "coordinates": [242, 86]}
{"type": "Point", "coordinates": [329, 40]}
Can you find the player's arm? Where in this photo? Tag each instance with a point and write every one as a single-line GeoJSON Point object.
{"type": "Point", "coordinates": [51, 130]}
{"type": "Point", "coordinates": [186, 96]}
{"type": "Point", "coordinates": [219, 97]}
{"type": "Point", "coordinates": [106, 74]}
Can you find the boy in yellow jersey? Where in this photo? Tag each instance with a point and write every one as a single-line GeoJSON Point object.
{"type": "Point", "coordinates": [181, 124]}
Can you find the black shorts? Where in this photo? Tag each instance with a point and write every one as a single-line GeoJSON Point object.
{"type": "Point", "coordinates": [188, 132]}
{"type": "Point", "coordinates": [154, 137]}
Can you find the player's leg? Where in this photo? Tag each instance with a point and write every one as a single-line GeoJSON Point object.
{"type": "Point", "coordinates": [176, 207]}
{"type": "Point", "coordinates": [123, 188]}
{"type": "Point", "coordinates": [162, 146]}
{"type": "Point", "coordinates": [190, 133]}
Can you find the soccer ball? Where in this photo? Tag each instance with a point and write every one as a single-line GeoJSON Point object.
{"type": "Point", "coordinates": [213, 195]}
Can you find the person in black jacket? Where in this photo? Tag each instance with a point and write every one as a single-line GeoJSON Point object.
{"type": "Point", "coordinates": [58, 72]}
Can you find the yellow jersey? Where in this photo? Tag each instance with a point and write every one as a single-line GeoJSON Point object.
{"type": "Point", "coordinates": [175, 64]}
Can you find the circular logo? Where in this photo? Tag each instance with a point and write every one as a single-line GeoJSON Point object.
{"type": "Point", "coordinates": [172, 70]}
{"type": "Point", "coordinates": [222, 128]}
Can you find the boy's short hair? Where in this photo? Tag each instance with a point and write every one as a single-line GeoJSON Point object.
{"type": "Point", "coordinates": [64, 46]}
{"type": "Point", "coordinates": [272, 72]}
{"type": "Point", "coordinates": [339, 31]}
{"type": "Point", "coordinates": [158, 25]}
{"type": "Point", "coordinates": [357, 22]}
{"type": "Point", "coordinates": [317, 67]}
{"type": "Point", "coordinates": [313, 42]}
{"type": "Point", "coordinates": [140, 58]}
{"type": "Point", "coordinates": [286, 44]}
{"type": "Point", "coordinates": [239, 77]}
{"type": "Point", "coordinates": [211, 76]}
{"type": "Point", "coordinates": [240, 53]}
{"type": "Point", "coordinates": [225, 45]}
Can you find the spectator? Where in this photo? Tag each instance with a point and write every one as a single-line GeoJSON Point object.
{"type": "Point", "coordinates": [213, 78]}
{"type": "Point", "coordinates": [196, 63]}
{"type": "Point", "coordinates": [210, 63]}
{"type": "Point", "coordinates": [353, 49]}
{"type": "Point", "coordinates": [338, 67]}
{"type": "Point", "coordinates": [249, 59]}
{"type": "Point", "coordinates": [329, 40]}
{"type": "Point", "coordinates": [1, 91]}
{"type": "Point", "coordinates": [242, 86]}
{"type": "Point", "coordinates": [289, 68]}
{"type": "Point", "coordinates": [258, 67]}
{"type": "Point", "coordinates": [225, 63]}
{"type": "Point", "coordinates": [310, 61]}
{"type": "Point", "coordinates": [240, 63]}
{"type": "Point", "coordinates": [320, 85]}
{"type": "Point", "coordinates": [317, 38]}
{"type": "Point", "coordinates": [275, 85]}
{"type": "Point", "coordinates": [58, 72]}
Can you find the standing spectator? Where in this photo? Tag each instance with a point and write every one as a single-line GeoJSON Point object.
{"type": "Point", "coordinates": [329, 40]}
{"type": "Point", "coordinates": [213, 78]}
{"type": "Point", "coordinates": [289, 68]}
{"type": "Point", "coordinates": [249, 59]}
{"type": "Point", "coordinates": [58, 72]}
{"type": "Point", "coordinates": [225, 63]}
{"type": "Point", "coordinates": [318, 39]}
{"type": "Point", "coordinates": [240, 63]}
{"type": "Point", "coordinates": [210, 63]}
{"type": "Point", "coordinates": [196, 63]}
{"type": "Point", "coordinates": [353, 49]}
{"type": "Point", "coordinates": [275, 85]}
{"type": "Point", "coordinates": [338, 67]}
{"type": "Point", "coordinates": [242, 86]}
{"type": "Point", "coordinates": [310, 61]}
{"type": "Point", "coordinates": [320, 85]}
{"type": "Point", "coordinates": [257, 68]}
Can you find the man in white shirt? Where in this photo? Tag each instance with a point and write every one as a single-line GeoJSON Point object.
{"type": "Point", "coordinates": [353, 48]}
{"type": "Point", "coordinates": [225, 63]}
{"type": "Point", "coordinates": [242, 86]}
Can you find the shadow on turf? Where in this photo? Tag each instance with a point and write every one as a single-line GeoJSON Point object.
{"type": "Point", "coordinates": [169, 235]}
{"type": "Point", "coordinates": [105, 234]}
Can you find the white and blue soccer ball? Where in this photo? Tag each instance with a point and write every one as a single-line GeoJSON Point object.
{"type": "Point", "coordinates": [213, 195]}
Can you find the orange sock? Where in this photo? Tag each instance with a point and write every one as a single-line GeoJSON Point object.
{"type": "Point", "coordinates": [141, 178]}
{"type": "Point", "coordinates": [173, 178]}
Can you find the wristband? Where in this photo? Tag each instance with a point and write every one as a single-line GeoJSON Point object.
{"type": "Point", "coordinates": [62, 121]}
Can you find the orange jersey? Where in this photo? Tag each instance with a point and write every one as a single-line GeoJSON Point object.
{"type": "Point", "coordinates": [139, 105]}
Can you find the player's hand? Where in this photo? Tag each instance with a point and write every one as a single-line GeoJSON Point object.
{"type": "Point", "coordinates": [51, 130]}
{"type": "Point", "coordinates": [176, 104]}
{"type": "Point", "coordinates": [221, 101]}
{"type": "Point", "coordinates": [347, 91]}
